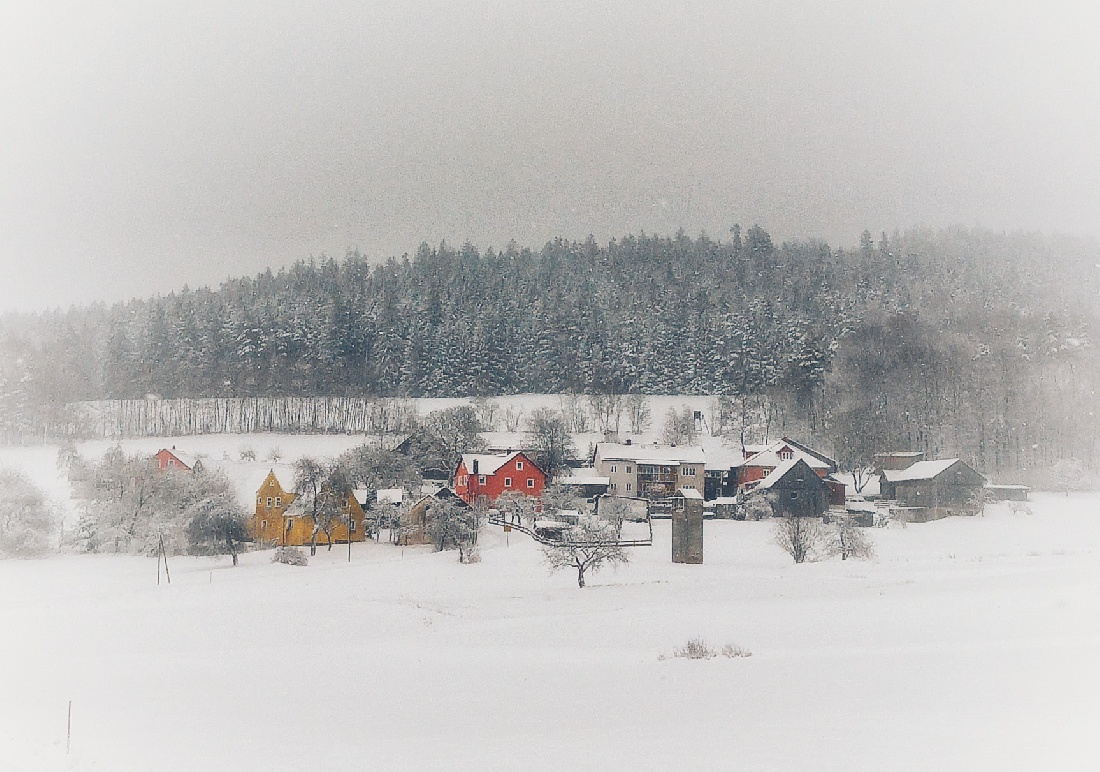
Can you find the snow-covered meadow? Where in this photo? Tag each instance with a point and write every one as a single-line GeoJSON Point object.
{"type": "Point", "coordinates": [966, 644]}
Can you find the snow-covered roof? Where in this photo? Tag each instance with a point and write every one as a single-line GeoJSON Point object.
{"type": "Point", "coordinates": [922, 470]}
{"type": "Point", "coordinates": [689, 493]}
{"type": "Point", "coordinates": [584, 476]}
{"type": "Point", "coordinates": [188, 459]}
{"type": "Point", "coordinates": [724, 457]}
{"type": "Point", "coordinates": [770, 457]}
{"type": "Point", "coordinates": [724, 501]}
{"type": "Point", "coordinates": [387, 495]}
{"type": "Point", "coordinates": [668, 455]}
{"type": "Point", "coordinates": [777, 474]}
{"type": "Point", "coordinates": [487, 463]}
{"type": "Point", "coordinates": [994, 487]}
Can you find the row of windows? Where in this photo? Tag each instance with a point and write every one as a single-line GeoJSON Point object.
{"type": "Point", "coordinates": [687, 471]}
{"type": "Point", "coordinates": [290, 525]}
{"type": "Point", "coordinates": [507, 480]}
{"type": "Point", "coordinates": [615, 487]}
{"type": "Point", "coordinates": [278, 501]}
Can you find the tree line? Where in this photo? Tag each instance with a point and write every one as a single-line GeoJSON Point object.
{"type": "Point", "coordinates": [960, 341]}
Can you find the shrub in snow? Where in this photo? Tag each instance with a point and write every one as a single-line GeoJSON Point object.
{"type": "Point", "coordinates": [291, 556]}
{"type": "Point", "coordinates": [757, 507]}
{"type": "Point", "coordinates": [846, 539]}
{"type": "Point", "coordinates": [27, 518]}
{"type": "Point", "coordinates": [732, 650]}
{"type": "Point", "coordinates": [697, 648]}
{"type": "Point", "coordinates": [798, 536]}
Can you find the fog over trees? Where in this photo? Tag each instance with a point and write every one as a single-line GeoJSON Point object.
{"type": "Point", "coordinates": [961, 341]}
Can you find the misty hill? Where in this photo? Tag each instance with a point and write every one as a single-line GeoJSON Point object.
{"type": "Point", "coordinates": [961, 341]}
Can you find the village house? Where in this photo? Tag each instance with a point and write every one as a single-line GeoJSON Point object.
{"type": "Point", "coordinates": [175, 459]}
{"type": "Point", "coordinates": [649, 471]}
{"type": "Point", "coordinates": [934, 489]}
{"type": "Point", "coordinates": [759, 463]}
{"type": "Point", "coordinates": [272, 501]}
{"type": "Point", "coordinates": [485, 476]}
{"type": "Point", "coordinates": [281, 517]}
{"type": "Point", "coordinates": [413, 523]}
{"type": "Point", "coordinates": [794, 490]}
{"type": "Point", "coordinates": [298, 523]}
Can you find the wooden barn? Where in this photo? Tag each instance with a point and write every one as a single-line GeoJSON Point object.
{"type": "Point", "coordinates": [936, 488]}
{"type": "Point", "coordinates": [795, 490]}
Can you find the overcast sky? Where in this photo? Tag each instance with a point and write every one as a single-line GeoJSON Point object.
{"type": "Point", "coordinates": [145, 145]}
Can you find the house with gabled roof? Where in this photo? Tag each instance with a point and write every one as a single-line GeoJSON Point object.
{"type": "Point", "coordinates": [486, 476]}
{"type": "Point", "coordinates": [794, 490]}
{"type": "Point", "coordinates": [935, 489]}
{"type": "Point", "coordinates": [175, 459]}
{"type": "Point", "coordinates": [758, 464]}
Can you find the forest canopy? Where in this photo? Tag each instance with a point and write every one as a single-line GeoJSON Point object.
{"type": "Point", "coordinates": [961, 340]}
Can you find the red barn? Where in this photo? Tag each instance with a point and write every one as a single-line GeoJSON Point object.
{"type": "Point", "coordinates": [490, 475]}
{"type": "Point", "coordinates": [759, 463]}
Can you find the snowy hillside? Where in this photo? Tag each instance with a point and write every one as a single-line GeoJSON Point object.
{"type": "Point", "coordinates": [967, 644]}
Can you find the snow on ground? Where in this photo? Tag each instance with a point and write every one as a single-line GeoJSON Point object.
{"type": "Point", "coordinates": [969, 643]}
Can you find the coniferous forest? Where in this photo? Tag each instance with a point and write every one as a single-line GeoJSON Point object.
{"type": "Point", "coordinates": [961, 341]}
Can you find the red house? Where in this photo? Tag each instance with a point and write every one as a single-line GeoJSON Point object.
{"type": "Point", "coordinates": [173, 459]}
{"type": "Point", "coordinates": [760, 462]}
{"type": "Point", "coordinates": [490, 475]}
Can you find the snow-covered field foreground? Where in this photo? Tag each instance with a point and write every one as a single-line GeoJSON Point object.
{"type": "Point", "coordinates": [967, 644]}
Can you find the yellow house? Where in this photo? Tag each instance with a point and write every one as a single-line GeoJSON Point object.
{"type": "Point", "coordinates": [277, 522]}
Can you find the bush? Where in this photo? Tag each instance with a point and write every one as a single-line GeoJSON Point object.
{"type": "Point", "coordinates": [697, 648]}
{"type": "Point", "coordinates": [28, 520]}
{"type": "Point", "coordinates": [291, 556]}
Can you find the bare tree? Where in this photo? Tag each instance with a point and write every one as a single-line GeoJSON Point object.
{"type": "Point", "coordinates": [848, 540]}
{"type": "Point", "coordinates": [323, 489]}
{"type": "Point", "coordinates": [587, 546]}
{"type": "Point", "coordinates": [451, 525]}
{"type": "Point", "coordinates": [513, 418]}
{"type": "Point", "coordinates": [679, 426]}
{"type": "Point", "coordinates": [798, 536]}
{"type": "Point", "coordinates": [607, 412]}
{"type": "Point", "coordinates": [572, 410]}
{"type": "Point", "coordinates": [549, 438]}
{"type": "Point", "coordinates": [637, 410]}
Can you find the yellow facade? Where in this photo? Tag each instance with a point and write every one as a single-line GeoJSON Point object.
{"type": "Point", "coordinates": [272, 524]}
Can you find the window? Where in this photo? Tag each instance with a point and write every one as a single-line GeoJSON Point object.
{"type": "Point", "coordinates": [530, 482]}
{"type": "Point", "coordinates": [352, 526]}
{"type": "Point", "coordinates": [481, 479]}
{"type": "Point", "coordinates": [263, 525]}
{"type": "Point", "coordinates": [614, 469]}
{"type": "Point", "coordinates": [289, 524]}
{"type": "Point", "coordinates": [794, 494]}
{"type": "Point", "coordinates": [519, 466]}
{"type": "Point", "coordinates": [628, 470]}
{"type": "Point", "coordinates": [270, 483]}
{"type": "Point", "coordinates": [507, 482]}
{"type": "Point", "coordinates": [692, 487]}
{"type": "Point", "coordinates": [688, 471]}
{"type": "Point", "coordinates": [786, 454]}
{"type": "Point", "coordinates": [628, 486]}
{"type": "Point", "coordinates": [269, 502]}
{"type": "Point", "coordinates": [259, 501]}
{"type": "Point", "coordinates": [613, 486]}
{"type": "Point", "coordinates": [278, 501]}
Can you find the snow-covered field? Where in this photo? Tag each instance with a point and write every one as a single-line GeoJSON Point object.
{"type": "Point", "coordinates": [967, 644]}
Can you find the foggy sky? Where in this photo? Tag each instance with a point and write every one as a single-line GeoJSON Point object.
{"type": "Point", "coordinates": [148, 145]}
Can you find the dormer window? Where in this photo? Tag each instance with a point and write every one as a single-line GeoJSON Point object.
{"type": "Point", "coordinates": [786, 454]}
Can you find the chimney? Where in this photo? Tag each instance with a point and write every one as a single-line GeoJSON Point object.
{"type": "Point", "coordinates": [475, 466]}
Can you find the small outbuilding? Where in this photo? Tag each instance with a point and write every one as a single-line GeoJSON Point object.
{"type": "Point", "coordinates": [687, 526]}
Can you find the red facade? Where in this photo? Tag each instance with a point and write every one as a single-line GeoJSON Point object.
{"type": "Point", "coordinates": [494, 475]}
{"type": "Point", "coordinates": [166, 459]}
